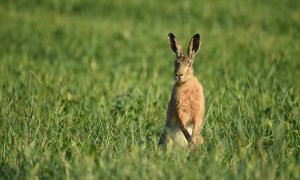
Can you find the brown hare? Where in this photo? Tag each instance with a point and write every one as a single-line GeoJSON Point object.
{"type": "Point", "coordinates": [185, 111]}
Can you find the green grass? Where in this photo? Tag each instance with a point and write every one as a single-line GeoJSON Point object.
{"type": "Point", "coordinates": [84, 87]}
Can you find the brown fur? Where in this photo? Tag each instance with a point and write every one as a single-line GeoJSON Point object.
{"type": "Point", "coordinates": [185, 111]}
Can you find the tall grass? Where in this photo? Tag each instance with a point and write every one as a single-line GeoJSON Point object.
{"type": "Point", "coordinates": [84, 87]}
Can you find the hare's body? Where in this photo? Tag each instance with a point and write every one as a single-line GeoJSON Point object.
{"type": "Point", "coordinates": [186, 107]}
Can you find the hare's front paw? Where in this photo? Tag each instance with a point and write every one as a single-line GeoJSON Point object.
{"type": "Point", "coordinates": [197, 140]}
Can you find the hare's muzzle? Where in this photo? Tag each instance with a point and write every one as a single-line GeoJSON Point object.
{"type": "Point", "coordinates": [178, 77]}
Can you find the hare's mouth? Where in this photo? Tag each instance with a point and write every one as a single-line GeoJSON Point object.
{"type": "Point", "coordinates": [178, 77]}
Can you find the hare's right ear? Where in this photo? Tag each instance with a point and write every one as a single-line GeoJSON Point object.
{"type": "Point", "coordinates": [194, 46]}
{"type": "Point", "coordinates": [176, 48]}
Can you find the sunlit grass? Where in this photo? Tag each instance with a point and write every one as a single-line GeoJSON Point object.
{"type": "Point", "coordinates": [84, 88]}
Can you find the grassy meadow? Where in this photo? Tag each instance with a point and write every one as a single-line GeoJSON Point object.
{"type": "Point", "coordinates": [84, 87]}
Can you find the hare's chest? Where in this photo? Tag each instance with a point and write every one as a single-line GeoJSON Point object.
{"type": "Point", "coordinates": [183, 100]}
{"type": "Point", "coordinates": [187, 100]}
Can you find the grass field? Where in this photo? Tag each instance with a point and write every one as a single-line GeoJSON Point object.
{"type": "Point", "coordinates": [84, 87]}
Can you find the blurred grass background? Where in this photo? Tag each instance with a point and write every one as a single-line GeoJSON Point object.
{"type": "Point", "coordinates": [84, 87]}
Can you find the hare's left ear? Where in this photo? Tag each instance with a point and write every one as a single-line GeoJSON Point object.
{"type": "Point", "coordinates": [194, 46]}
{"type": "Point", "coordinates": [176, 48]}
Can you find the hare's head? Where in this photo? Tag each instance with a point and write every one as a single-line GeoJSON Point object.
{"type": "Point", "coordinates": [183, 65]}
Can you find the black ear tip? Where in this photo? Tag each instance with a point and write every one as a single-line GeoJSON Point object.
{"type": "Point", "coordinates": [197, 35]}
{"type": "Point", "coordinates": [171, 35]}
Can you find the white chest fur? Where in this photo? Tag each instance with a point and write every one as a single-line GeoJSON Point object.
{"type": "Point", "coordinates": [178, 137]}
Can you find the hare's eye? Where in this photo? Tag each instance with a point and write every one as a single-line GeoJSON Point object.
{"type": "Point", "coordinates": [189, 63]}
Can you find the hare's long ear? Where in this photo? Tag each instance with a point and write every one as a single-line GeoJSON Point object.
{"type": "Point", "coordinates": [176, 48]}
{"type": "Point", "coordinates": [194, 46]}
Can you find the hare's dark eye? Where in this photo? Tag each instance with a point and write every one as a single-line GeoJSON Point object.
{"type": "Point", "coordinates": [189, 63]}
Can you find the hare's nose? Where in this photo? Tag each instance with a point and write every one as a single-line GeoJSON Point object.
{"type": "Point", "coordinates": [179, 75]}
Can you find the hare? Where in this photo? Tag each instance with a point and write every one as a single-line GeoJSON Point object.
{"type": "Point", "coordinates": [185, 111]}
